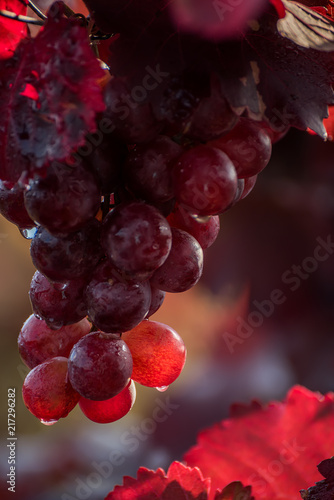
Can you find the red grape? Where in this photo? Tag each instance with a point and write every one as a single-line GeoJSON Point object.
{"type": "Point", "coordinates": [64, 200]}
{"type": "Point", "coordinates": [183, 267]}
{"type": "Point", "coordinates": [136, 238]}
{"type": "Point", "coordinates": [37, 342]}
{"type": "Point", "coordinates": [58, 304]}
{"type": "Point", "coordinates": [100, 366]}
{"type": "Point", "coordinates": [115, 305]}
{"type": "Point", "coordinates": [204, 230]}
{"type": "Point", "coordinates": [157, 298]}
{"type": "Point", "coordinates": [12, 205]}
{"type": "Point", "coordinates": [47, 392]}
{"type": "Point", "coordinates": [158, 353]}
{"type": "Point", "coordinates": [148, 169]}
{"type": "Point", "coordinates": [248, 146]}
{"type": "Point", "coordinates": [249, 185]}
{"type": "Point", "coordinates": [110, 410]}
{"type": "Point", "coordinates": [131, 115]}
{"type": "Point", "coordinates": [205, 180]}
{"type": "Point", "coordinates": [69, 257]}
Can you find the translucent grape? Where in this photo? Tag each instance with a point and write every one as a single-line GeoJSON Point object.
{"type": "Point", "coordinates": [64, 200]}
{"type": "Point", "coordinates": [116, 305]}
{"type": "Point", "coordinates": [69, 257]}
{"type": "Point", "coordinates": [205, 180]}
{"type": "Point", "coordinates": [37, 342]}
{"type": "Point", "coordinates": [158, 353]}
{"type": "Point", "coordinates": [100, 366]}
{"type": "Point", "coordinates": [57, 304]}
{"type": "Point", "coordinates": [110, 410]}
{"type": "Point", "coordinates": [47, 392]}
{"type": "Point", "coordinates": [183, 267]}
{"type": "Point", "coordinates": [136, 238]}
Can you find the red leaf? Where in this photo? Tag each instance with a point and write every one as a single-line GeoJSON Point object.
{"type": "Point", "coordinates": [49, 97]}
{"type": "Point", "coordinates": [279, 7]}
{"type": "Point", "coordinates": [323, 490]}
{"type": "Point", "coordinates": [235, 491]}
{"type": "Point", "coordinates": [272, 448]}
{"type": "Point", "coordinates": [180, 483]}
{"type": "Point", "coordinates": [11, 31]}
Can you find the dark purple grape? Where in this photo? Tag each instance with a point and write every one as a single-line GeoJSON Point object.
{"type": "Point", "coordinates": [157, 298]}
{"type": "Point", "coordinates": [213, 116]}
{"type": "Point", "coordinates": [114, 305]}
{"type": "Point", "coordinates": [68, 257]}
{"type": "Point", "coordinates": [58, 304]}
{"type": "Point", "coordinates": [130, 114]}
{"type": "Point", "coordinates": [38, 342]}
{"type": "Point", "coordinates": [205, 180]}
{"type": "Point", "coordinates": [64, 200]}
{"type": "Point", "coordinates": [148, 169]}
{"type": "Point", "coordinates": [100, 366]}
{"type": "Point", "coordinates": [136, 238]}
{"type": "Point", "coordinates": [205, 230]}
{"type": "Point", "coordinates": [183, 267]}
{"type": "Point", "coordinates": [12, 205]}
{"type": "Point", "coordinates": [248, 146]}
{"type": "Point", "coordinates": [107, 160]}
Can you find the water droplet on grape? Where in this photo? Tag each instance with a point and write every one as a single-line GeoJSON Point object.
{"type": "Point", "coordinates": [163, 388]}
{"type": "Point", "coordinates": [48, 422]}
{"type": "Point", "coordinates": [28, 234]}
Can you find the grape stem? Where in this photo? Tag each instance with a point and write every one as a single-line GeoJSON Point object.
{"type": "Point", "coordinates": [22, 19]}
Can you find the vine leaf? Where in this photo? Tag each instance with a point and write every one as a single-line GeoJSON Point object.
{"type": "Point", "coordinates": [180, 483]}
{"type": "Point", "coordinates": [49, 97]}
{"type": "Point", "coordinates": [306, 27]}
{"type": "Point", "coordinates": [323, 490]}
{"type": "Point", "coordinates": [11, 32]}
{"type": "Point", "coordinates": [273, 448]}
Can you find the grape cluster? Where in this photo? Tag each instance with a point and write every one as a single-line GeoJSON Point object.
{"type": "Point", "coordinates": [118, 225]}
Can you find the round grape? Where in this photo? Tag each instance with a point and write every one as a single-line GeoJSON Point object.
{"type": "Point", "coordinates": [110, 410]}
{"type": "Point", "coordinates": [100, 366]}
{"type": "Point", "coordinates": [47, 392]}
{"type": "Point", "coordinates": [158, 353]}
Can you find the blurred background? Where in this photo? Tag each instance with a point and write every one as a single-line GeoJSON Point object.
{"type": "Point", "coordinates": [266, 243]}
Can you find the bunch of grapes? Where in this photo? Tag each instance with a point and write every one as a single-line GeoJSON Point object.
{"type": "Point", "coordinates": [119, 224]}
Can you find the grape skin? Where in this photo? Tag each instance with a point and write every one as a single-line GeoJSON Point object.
{"type": "Point", "coordinates": [158, 353]}
{"type": "Point", "coordinates": [100, 366]}
{"type": "Point", "coordinates": [37, 342]}
{"type": "Point", "coordinates": [46, 391]}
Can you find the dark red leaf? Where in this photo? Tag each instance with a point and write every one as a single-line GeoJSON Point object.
{"type": "Point", "coordinates": [273, 448]}
{"type": "Point", "coordinates": [180, 483]}
{"type": "Point", "coordinates": [11, 32]}
{"type": "Point", "coordinates": [235, 491]}
{"type": "Point", "coordinates": [323, 490]}
{"type": "Point", "coordinates": [49, 97]}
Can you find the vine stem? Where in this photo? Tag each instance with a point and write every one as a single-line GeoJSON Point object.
{"type": "Point", "coordinates": [22, 19]}
{"type": "Point", "coordinates": [37, 10]}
